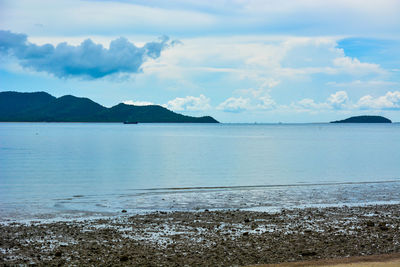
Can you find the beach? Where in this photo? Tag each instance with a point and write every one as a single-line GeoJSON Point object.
{"type": "Point", "coordinates": [383, 260]}
{"type": "Point", "coordinates": [206, 238]}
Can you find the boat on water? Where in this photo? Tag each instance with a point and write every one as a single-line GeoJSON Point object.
{"type": "Point", "coordinates": [131, 122]}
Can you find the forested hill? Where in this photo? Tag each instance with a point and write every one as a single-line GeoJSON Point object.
{"type": "Point", "coordinates": [43, 107]}
{"type": "Point", "coordinates": [364, 119]}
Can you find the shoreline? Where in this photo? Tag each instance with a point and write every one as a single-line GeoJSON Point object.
{"type": "Point", "coordinates": [79, 216]}
{"type": "Point", "coordinates": [258, 198]}
{"type": "Point", "coordinates": [217, 238]}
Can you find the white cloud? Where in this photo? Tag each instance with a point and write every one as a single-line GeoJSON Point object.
{"type": "Point", "coordinates": [234, 104]}
{"type": "Point", "coordinates": [309, 104]}
{"type": "Point", "coordinates": [338, 102]}
{"type": "Point", "coordinates": [391, 100]}
{"type": "Point", "coordinates": [338, 99]}
{"type": "Point", "coordinates": [190, 103]}
{"type": "Point", "coordinates": [137, 103]}
{"type": "Point", "coordinates": [354, 66]}
{"type": "Point", "coordinates": [257, 59]}
{"type": "Point", "coordinates": [262, 62]}
{"type": "Point", "coordinates": [341, 101]}
{"type": "Point", "coordinates": [251, 99]}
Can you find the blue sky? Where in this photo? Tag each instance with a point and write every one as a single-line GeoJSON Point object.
{"type": "Point", "coordinates": [238, 60]}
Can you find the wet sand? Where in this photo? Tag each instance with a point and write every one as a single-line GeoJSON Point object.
{"type": "Point", "coordinates": [206, 238]}
{"type": "Point", "coordinates": [385, 260]}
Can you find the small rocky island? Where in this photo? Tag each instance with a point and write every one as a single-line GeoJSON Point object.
{"type": "Point", "coordinates": [364, 119]}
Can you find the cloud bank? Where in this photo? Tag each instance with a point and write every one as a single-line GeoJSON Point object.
{"type": "Point", "coordinates": [389, 101]}
{"type": "Point", "coordinates": [341, 101]}
{"type": "Point", "coordinates": [190, 17]}
{"type": "Point", "coordinates": [89, 60]}
{"type": "Point", "coordinates": [335, 102]}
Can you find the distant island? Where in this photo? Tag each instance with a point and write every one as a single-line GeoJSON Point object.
{"type": "Point", "coordinates": [364, 119]}
{"type": "Point", "coordinates": [43, 107]}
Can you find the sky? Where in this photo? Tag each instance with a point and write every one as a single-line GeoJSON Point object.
{"type": "Point", "coordinates": [262, 61]}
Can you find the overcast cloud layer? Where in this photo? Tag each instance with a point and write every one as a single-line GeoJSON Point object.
{"type": "Point", "coordinates": [195, 18]}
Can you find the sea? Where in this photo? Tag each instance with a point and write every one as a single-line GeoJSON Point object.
{"type": "Point", "coordinates": [84, 170]}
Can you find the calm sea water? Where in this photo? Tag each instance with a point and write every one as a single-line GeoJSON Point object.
{"type": "Point", "coordinates": [77, 169]}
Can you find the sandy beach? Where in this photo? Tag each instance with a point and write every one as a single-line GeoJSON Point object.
{"type": "Point", "coordinates": [207, 238]}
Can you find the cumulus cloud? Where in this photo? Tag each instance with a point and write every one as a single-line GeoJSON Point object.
{"type": "Point", "coordinates": [239, 104]}
{"type": "Point", "coordinates": [88, 59]}
{"type": "Point", "coordinates": [391, 100]}
{"type": "Point", "coordinates": [341, 101]}
{"type": "Point", "coordinates": [251, 99]}
{"type": "Point", "coordinates": [338, 99]}
{"type": "Point", "coordinates": [234, 104]}
{"type": "Point", "coordinates": [190, 103]}
{"type": "Point", "coordinates": [138, 103]}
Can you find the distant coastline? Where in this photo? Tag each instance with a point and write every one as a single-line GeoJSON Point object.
{"type": "Point", "coordinates": [43, 107]}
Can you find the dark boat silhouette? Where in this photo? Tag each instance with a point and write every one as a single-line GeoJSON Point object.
{"type": "Point", "coordinates": [130, 122]}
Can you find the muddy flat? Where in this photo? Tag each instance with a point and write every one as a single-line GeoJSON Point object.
{"type": "Point", "coordinates": [207, 238]}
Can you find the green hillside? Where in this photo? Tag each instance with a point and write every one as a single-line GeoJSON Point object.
{"type": "Point", "coordinates": [42, 107]}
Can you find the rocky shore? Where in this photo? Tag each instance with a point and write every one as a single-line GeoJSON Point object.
{"type": "Point", "coordinates": [206, 238]}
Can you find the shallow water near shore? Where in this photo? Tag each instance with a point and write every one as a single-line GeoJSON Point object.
{"type": "Point", "coordinates": [76, 169]}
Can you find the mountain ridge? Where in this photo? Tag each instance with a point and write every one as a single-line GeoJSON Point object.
{"type": "Point", "coordinates": [43, 107]}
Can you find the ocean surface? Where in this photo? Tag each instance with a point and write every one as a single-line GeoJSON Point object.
{"type": "Point", "coordinates": [75, 170]}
